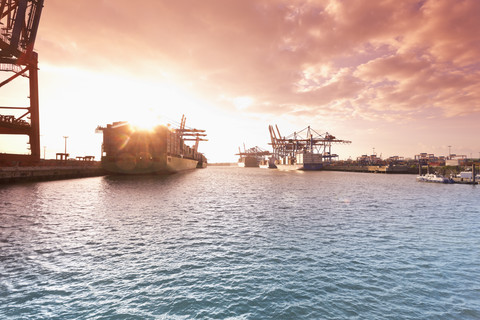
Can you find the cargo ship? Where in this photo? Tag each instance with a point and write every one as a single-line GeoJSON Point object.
{"type": "Point", "coordinates": [252, 157]}
{"type": "Point", "coordinates": [301, 160]}
{"type": "Point", "coordinates": [127, 149]}
{"type": "Point", "coordinates": [303, 150]}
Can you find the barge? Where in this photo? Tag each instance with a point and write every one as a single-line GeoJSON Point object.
{"type": "Point", "coordinates": [127, 149]}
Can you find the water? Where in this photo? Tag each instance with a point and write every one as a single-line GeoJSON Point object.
{"type": "Point", "coordinates": [240, 243]}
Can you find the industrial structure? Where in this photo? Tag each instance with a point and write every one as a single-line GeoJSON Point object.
{"type": "Point", "coordinates": [303, 150]}
{"type": "Point", "coordinates": [252, 157]}
{"type": "Point", "coordinates": [19, 20]}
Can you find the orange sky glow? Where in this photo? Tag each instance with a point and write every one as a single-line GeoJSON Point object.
{"type": "Point", "coordinates": [394, 77]}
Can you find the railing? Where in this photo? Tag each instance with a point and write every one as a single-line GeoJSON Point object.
{"type": "Point", "coordinates": [10, 67]}
{"type": "Point", "coordinates": [11, 121]}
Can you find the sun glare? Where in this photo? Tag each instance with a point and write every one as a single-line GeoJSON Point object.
{"type": "Point", "coordinates": [144, 120]}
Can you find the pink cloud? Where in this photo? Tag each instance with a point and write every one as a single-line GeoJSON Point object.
{"type": "Point", "coordinates": [328, 57]}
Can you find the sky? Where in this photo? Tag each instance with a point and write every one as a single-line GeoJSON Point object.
{"type": "Point", "coordinates": [396, 78]}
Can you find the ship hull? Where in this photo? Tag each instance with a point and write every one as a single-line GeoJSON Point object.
{"type": "Point", "coordinates": [289, 167]}
{"type": "Point", "coordinates": [161, 150]}
{"type": "Point", "coordinates": [247, 165]}
{"type": "Point", "coordinates": [303, 166]}
{"type": "Point", "coordinates": [155, 165]}
{"type": "Point", "coordinates": [249, 162]}
{"type": "Point", "coordinates": [312, 166]}
{"type": "Point", "coordinates": [201, 165]}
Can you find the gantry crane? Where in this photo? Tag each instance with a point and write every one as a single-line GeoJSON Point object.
{"type": "Point", "coordinates": [256, 152]}
{"type": "Point", "coordinates": [19, 21]}
{"type": "Point", "coordinates": [305, 140]}
{"type": "Point", "coordinates": [191, 134]}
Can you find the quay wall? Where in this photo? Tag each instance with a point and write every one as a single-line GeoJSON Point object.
{"type": "Point", "coordinates": [372, 169]}
{"type": "Point", "coordinates": [46, 173]}
{"type": "Point", "coordinates": [464, 181]}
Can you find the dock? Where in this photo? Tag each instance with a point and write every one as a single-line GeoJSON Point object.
{"type": "Point", "coordinates": [371, 168]}
{"type": "Point", "coordinates": [48, 173]}
{"type": "Point", "coordinates": [464, 181]}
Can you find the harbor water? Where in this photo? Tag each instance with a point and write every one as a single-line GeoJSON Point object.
{"type": "Point", "coordinates": [240, 243]}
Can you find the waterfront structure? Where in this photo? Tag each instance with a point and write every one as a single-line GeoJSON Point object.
{"type": "Point", "coordinates": [48, 170]}
{"type": "Point", "coordinates": [303, 150]}
{"type": "Point", "coordinates": [430, 159]}
{"type": "Point", "coordinates": [19, 22]}
{"type": "Point", "coordinates": [456, 160]}
{"type": "Point", "coordinates": [369, 160]}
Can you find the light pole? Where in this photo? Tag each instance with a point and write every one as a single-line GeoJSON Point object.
{"type": "Point", "coordinates": [44, 151]}
{"type": "Point", "coordinates": [65, 137]}
{"type": "Point", "coordinates": [449, 153]}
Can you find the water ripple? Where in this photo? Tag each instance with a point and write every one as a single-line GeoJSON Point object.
{"type": "Point", "coordinates": [231, 243]}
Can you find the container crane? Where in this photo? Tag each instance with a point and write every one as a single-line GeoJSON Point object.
{"type": "Point", "coordinates": [191, 134]}
{"type": "Point", "coordinates": [19, 20]}
{"type": "Point", "coordinates": [306, 141]}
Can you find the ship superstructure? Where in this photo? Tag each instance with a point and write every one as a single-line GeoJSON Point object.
{"type": "Point", "coordinates": [303, 150]}
{"type": "Point", "coordinates": [129, 150]}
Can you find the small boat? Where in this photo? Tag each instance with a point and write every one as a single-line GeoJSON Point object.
{"type": "Point", "coordinates": [430, 177]}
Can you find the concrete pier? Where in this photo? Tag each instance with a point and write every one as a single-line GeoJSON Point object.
{"type": "Point", "coordinates": [372, 169]}
{"type": "Point", "coordinates": [464, 181]}
{"type": "Point", "coordinates": [46, 173]}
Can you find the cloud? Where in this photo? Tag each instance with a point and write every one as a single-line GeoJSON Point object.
{"type": "Point", "coordinates": [364, 59]}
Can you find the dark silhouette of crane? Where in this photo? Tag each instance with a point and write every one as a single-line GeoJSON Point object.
{"type": "Point", "coordinates": [19, 20]}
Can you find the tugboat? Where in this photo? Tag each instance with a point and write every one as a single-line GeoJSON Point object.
{"type": "Point", "coordinates": [162, 150]}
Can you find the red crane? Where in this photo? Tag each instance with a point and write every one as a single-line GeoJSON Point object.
{"type": "Point", "coordinates": [19, 21]}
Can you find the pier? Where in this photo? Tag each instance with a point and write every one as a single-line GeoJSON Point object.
{"type": "Point", "coordinates": [464, 181]}
{"type": "Point", "coordinates": [50, 171]}
{"type": "Point", "coordinates": [371, 168]}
